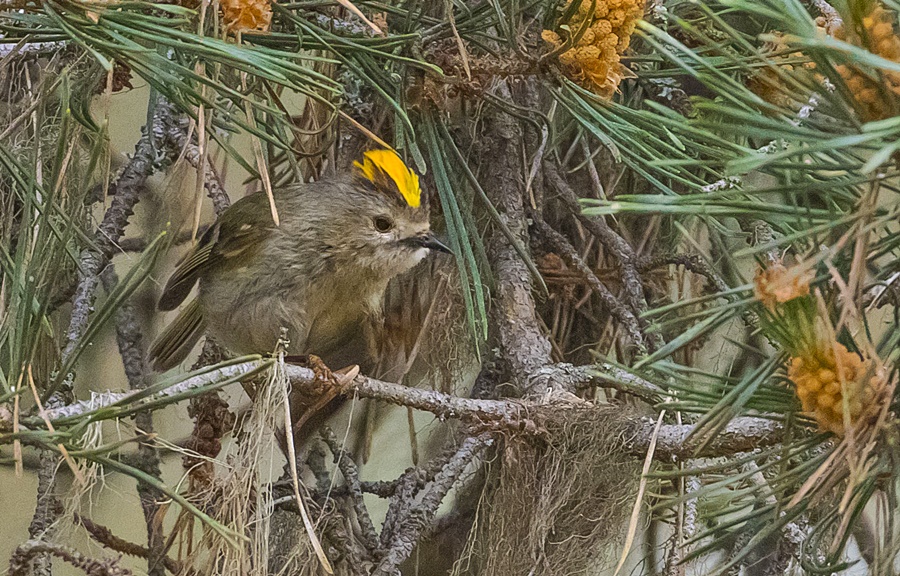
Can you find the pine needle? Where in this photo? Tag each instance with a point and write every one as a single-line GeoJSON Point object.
{"type": "Point", "coordinates": [292, 462]}
{"type": "Point", "coordinates": [62, 449]}
{"type": "Point", "coordinates": [350, 6]}
{"type": "Point", "coordinates": [636, 511]}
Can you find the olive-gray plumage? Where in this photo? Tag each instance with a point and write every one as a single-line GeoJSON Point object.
{"type": "Point", "coordinates": [320, 274]}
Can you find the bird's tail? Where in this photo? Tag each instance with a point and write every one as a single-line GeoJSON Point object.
{"type": "Point", "coordinates": [178, 339]}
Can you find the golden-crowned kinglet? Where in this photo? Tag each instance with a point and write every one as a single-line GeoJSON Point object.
{"type": "Point", "coordinates": [320, 274]}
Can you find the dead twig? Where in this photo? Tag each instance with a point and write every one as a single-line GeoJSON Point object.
{"type": "Point", "coordinates": [106, 538]}
{"type": "Point", "coordinates": [559, 244]}
{"type": "Point", "coordinates": [350, 472]}
{"type": "Point", "coordinates": [20, 563]}
{"type": "Point", "coordinates": [691, 262]}
{"type": "Point", "coordinates": [421, 513]}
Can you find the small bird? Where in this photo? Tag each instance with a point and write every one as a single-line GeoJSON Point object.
{"type": "Point", "coordinates": [321, 274]}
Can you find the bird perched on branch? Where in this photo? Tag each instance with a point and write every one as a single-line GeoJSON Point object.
{"type": "Point", "coordinates": [320, 274]}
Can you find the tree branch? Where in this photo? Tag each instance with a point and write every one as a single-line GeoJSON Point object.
{"type": "Point", "coordinates": [742, 434]}
{"type": "Point", "coordinates": [126, 193]}
{"type": "Point", "coordinates": [522, 346]}
{"type": "Point", "coordinates": [350, 472]}
{"type": "Point", "coordinates": [523, 416]}
{"type": "Point", "coordinates": [129, 338]}
{"type": "Point", "coordinates": [692, 262]}
{"type": "Point", "coordinates": [422, 513]}
{"type": "Point", "coordinates": [20, 562]}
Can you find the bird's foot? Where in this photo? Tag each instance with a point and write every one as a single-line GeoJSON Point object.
{"type": "Point", "coordinates": [323, 373]}
{"type": "Point", "coordinates": [329, 385]}
{"type": "Point", "coordinates": [324, 376]}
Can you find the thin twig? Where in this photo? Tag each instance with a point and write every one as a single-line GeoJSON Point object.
{"type": "Point", "coordinates": [129, 338]}
{"type": "Point", "coordinates": [691, 262]}
{"type": "Point", "coordinates": [215, 377]}
{"type": "Point", "coordinates": [422, 513]}
{"type": "Point", "coordinates": [139, 244]}
{"type": "Point", "coordinates": [521, 416]}
{"type": "Point", "coordinates": [350, 472]}
{"type": "Point", "coordinates": [558, 243]}
{"type": "Point", "coordinates": [31, 48]}
{"type": "Point", "coordinates": [20, 562]}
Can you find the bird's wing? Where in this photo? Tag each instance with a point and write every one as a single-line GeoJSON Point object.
{"type": "Point", "coordinates": [185, 276]}
{"type": "Point", "coordinates": [177, 340]}
{"type": "Point", "coordinates": [239, 231]}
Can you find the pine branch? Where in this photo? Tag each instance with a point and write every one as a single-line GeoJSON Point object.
{"type": "Point", "coordinates": [129, 337]}
{"type": "Point", "coordinates": [419, 514]}
{"type": "Point", "coordinates": [19, 564]}
{"type": "Point", "coordinates": [521, 416]}
{"type": "Point", "coordinates": [523, 347]}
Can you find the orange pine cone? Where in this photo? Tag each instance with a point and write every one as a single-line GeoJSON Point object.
{"type": "Point", "coordinates": [876, 93]}
{"type": "Point", "coordinates": [246, 15]}
{"type": "Point", "coordinates": [778, 284]}
{"type": "Point", "coordinates": [824, 377]}
{"type": "Point", "coordinates": [595, 61]}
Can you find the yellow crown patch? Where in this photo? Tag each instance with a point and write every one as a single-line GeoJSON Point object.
{"type": "Point", "coordinates": [377, 165]}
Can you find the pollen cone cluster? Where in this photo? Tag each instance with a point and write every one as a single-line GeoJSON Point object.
{"type": "Point", "coordinates": [830, 380]}
{"type": "Point", "coordinates": [597, 39]}
{"type": "Point", "coordinates": [876, 91]}
{"type": "Point", "coordinates": [768, 82]}
{"type": "Point", "coordinates": [778, 284]}
{"type": "Point", "coordinates": [246, 15]}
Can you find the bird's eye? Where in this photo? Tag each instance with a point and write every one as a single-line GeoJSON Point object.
{"type": "Point", "coordinates": [383, 223]}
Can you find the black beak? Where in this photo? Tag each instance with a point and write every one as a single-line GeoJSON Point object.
{"type": "Point", "coordinates": [432, 243]}
{"type": "Point", "coordinates": [429, 241]}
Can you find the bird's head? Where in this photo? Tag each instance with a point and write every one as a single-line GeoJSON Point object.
{"type": "Point", "coordinates": [389, 214]}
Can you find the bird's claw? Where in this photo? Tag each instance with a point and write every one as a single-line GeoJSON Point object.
{"type": "Point", "coordinates": [323, 373]}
